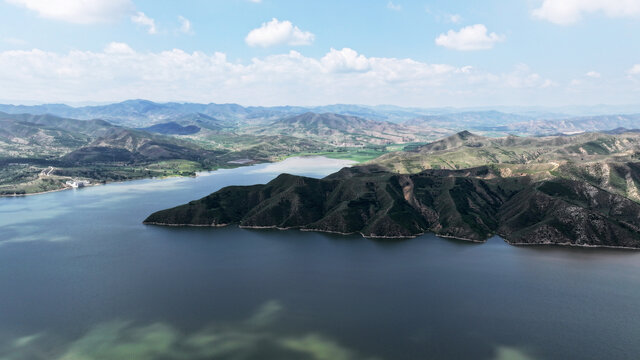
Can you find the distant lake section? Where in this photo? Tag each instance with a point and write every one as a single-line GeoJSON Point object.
{"type": "Point", "coordinates": [82, 278]}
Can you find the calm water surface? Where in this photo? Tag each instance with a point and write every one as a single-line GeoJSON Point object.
{"type": "Point", "coordinates": [82, 278]}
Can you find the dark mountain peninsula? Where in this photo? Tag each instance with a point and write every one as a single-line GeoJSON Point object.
{"type": "Point", "coordinates": [472, 204]}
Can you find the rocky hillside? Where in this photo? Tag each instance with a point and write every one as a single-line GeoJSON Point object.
{"type": "Point", "coordinates": [348, 131]}
{"type": "Point", "coordinates": [471, 204]}
{"type": "Point", "coordinates": [134, 146]}
{"type": "Point", "coordinates": [27, 135]}
{"type": "Point", "coordinates": [575, 124]}
{"type": "Point", "coordinates": [464, 150]}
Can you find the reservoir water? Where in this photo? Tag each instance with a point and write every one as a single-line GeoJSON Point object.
{"type": "Point", "coordinates": [82, 278]}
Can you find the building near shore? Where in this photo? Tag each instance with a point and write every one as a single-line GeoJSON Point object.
{"type": "Point", "coordinates": [77, 183]}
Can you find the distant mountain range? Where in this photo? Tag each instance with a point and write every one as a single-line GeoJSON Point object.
{"type": "Point", "coordinates": [145, 113]}
{"type": "Point", "coordinates": [349, 131]}
{"type": "Point", "coordinates": [524, 121]}
{"type": "Point", "coordinates": [575, 124]}
{"type": "Point", "coordinates": [471, 119]}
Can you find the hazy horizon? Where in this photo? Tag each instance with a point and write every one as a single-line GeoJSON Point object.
{"type": "Point", "coordinates": [569, 109]}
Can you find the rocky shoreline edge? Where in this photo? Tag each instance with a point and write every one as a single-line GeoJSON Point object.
{"type": "Point", "coordinates": [374, 237]}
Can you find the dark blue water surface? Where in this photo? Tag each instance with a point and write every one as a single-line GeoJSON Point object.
{"type": "Point", "coordinates": [82, 278]}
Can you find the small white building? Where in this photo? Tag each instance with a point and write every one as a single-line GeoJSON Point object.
{"type": "Point", "coordinates": [77, 183]}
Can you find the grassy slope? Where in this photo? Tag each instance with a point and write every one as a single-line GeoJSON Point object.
{"type": "Point", "coordinates": [599, 159]}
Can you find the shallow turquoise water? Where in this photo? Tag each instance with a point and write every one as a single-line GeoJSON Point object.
{"type": "Point", "coordinates": [82, 278]}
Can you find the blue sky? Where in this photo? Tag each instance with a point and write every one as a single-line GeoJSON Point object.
{"type": "Point", "coordinates": [271, 52]}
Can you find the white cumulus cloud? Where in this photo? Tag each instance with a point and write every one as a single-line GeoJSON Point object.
{"type": "Point", "coordinates": [141, 19]}
{"type": "Point", "coordinates": [635, 70]}
{"type": "Point", "coordinates": [593, 74]}
{"type": "Point", "coordinates": [78, 11]}
{"type": "Point", "coordinates": [565, 12]}
{"type": "Point", "coordinates": [473, 37]}
{"type": "Point", "coordinates": [276, 32]}
{"type": "Point", "coordinates": [345, 60]}
{"type": "Point", "coordinates": [121, 72]}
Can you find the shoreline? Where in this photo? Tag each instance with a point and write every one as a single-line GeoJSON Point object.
{"type": "Point", "coordinates": [571, 245]}
{"type": "Point", "coordinates": [197, 174]}
{"type": "Point", "coordinates": [329, 232]}
{"type": "Point", "coordinates": [35, 193]}
{"type": "Point", "coordinates": [561, 245]}
{"type": "Point", "coordinates": [113, 182]}
{"type": "Point", "coordinates": [183, 225]}
{"type": "Point", "coordinates": [281, 229]}
{"type": "Point", "coordinates": [56, 190]}
{"type": "Point", "coordinates": [461, 238]}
